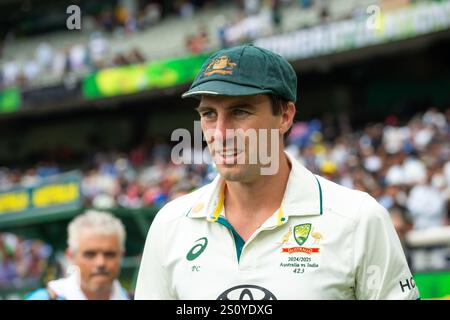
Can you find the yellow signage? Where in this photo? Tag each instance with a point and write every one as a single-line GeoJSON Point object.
{"type": "Point", "coordinates": [60, 191]}
{"type": "Point", "coordinates": [13, 201]}
{"type": "Point", "coordinates": [55, 194]}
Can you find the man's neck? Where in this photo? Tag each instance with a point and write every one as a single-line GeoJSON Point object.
{"type": "Point", "coordinates": [100, 295]}
{"type": "Point", "coordinates": [248, 205]}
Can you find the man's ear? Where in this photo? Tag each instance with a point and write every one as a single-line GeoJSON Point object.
{"type": "Point", "coordinates": [287, 117]}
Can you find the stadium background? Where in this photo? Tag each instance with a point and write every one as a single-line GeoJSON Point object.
{"type": "Point", "coordinates": [86, 115]}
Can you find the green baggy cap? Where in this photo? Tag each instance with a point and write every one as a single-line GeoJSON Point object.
{"type": "Point", "coordinates": [245, 70]}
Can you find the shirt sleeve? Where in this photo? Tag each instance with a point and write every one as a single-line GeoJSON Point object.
{"type": "Point", "coordinates": [153, 281]}
{"type": "Point", "coordinates": [382, 271]}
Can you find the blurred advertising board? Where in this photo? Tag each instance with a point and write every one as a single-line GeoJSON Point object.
{"type": "Point", "coordinates": [50, 96]}
{"type": "Point", "coordinates": [58, 193]}
{"type": "Point", "coordinates": [433, 285]}
{"type": "Point", "coordinates": [9, 100]}
{"type": "Point", "coordinates": [134, 78]}
{"type": "Point", "coordinates": [361, 31]}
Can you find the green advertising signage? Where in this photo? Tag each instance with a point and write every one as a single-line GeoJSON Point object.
{"type": "Point", "coordinates": [9, 100]}
{"type": "Point", "coordinates": [433, 285]}
{"type": "Point", "coordinates": [134, 78]}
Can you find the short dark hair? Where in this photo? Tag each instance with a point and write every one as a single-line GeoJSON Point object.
{"type": "Point", "coordinates": [278, 106]}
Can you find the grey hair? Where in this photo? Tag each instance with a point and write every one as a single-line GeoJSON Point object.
{"type": "Point", "coordinates": [100, 222]}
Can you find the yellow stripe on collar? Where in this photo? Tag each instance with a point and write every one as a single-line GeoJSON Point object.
{"type": "Point", "coordinates": [280, 216]}
{"type": "Point", "coordinates": [215, 215]}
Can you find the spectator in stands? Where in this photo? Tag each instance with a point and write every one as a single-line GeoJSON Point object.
{"type": "Point", "coordinates": [60, 64]}
{"type": "Point", "coordinates": [195, 44]}
{"type": "Point", "coordinates": [8, 270]}
{"type": "Point", "coordinates": [427, 205]}
{"type": "Point", "coordinates": [150, 16]}
{"type": "Point", "coordinates": [98, 49]}
{"type": "Point", "coordinates": [22, 262]}
{"type": "Point", "coordinates": [107, 19]}
{"type": "Point", "coordinates": [184, 8]}
{"type": "Point", "coordinates": [275, 7]}
{"type": "Point", "coordinates": [401, 223]}
{"type": "Point", "coordinates": [135, 56]}
{"type": "Point", "coordinates": [11, 71]}
{"type": "Point", "coordinates": [44, 55]}
{"type": "Point", "coordinates": [121, 60]}
{"type": "Point", "coordinates": [95, 247]}
{"type": "Point", "coordinates": [251, 7]}
{"type": "Point", "coordinates": [323, 6]}
{"type": "Point", "coordinates": [77, 57]}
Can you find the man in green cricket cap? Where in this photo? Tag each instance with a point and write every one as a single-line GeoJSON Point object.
{"type": "Point", "coordinates": [258, 234]}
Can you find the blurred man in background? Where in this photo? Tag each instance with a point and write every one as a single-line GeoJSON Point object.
{"type": "Point", "coordinates": [95, 248]}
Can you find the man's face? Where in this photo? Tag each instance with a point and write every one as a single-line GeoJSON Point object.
{"type": "Point", "coordinates": [237, 155]}
{"type": "Point", "coordinates": [98, 258]}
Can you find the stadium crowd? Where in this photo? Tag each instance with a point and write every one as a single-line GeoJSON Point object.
{"type": "Point", "coordinates": [405, 166]}
{"type": "Point", "coordinates": [399, 164]}
{"type": "Point", "coordinates": [23, 262]}
{"type": "Point", "coordinates": [254, 19]}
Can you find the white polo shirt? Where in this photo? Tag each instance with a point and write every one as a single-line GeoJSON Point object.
{"type": "Point", "coordinates": [324, 242]}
